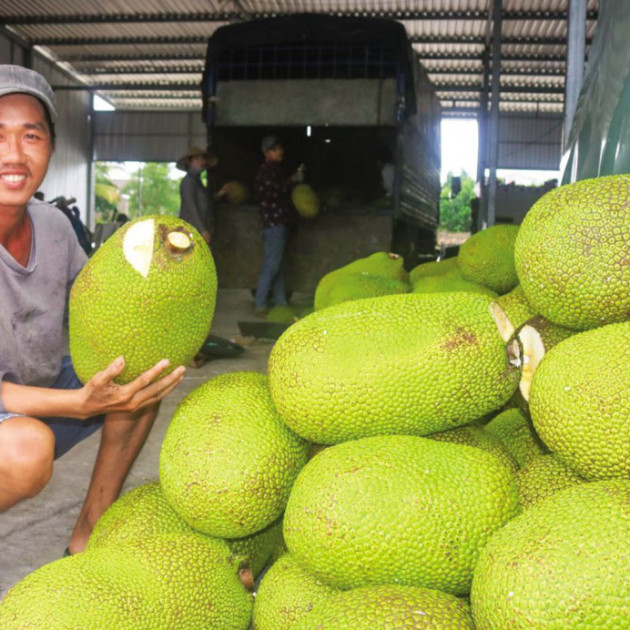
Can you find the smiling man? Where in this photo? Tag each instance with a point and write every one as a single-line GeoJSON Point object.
{"type": "Point", "coordinates": [44, 409]}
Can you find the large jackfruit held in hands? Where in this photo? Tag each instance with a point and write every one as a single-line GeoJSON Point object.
{"type": "Point", "coordinates": [228, 462]}
{"type": "Point", "coordinates": [391, 606]}
{"type": "Point", "coordinates": [395, 364]}
{"type": "Point", "coordinates": [563, 563]}
{"type": "Point", "coordinates": [147, 294]}
{"type": "Point", "coordinates": [572, 253]}
{"type": "Point", "coordinates": [397, 509]}
{"type": "Point", "coordinates": [487, 258]}
{"type": "Point", "coordinates": [579, 401]}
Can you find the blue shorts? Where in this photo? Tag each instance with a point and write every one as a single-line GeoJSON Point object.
{"type": "Point", "coordinates": [68, 431]}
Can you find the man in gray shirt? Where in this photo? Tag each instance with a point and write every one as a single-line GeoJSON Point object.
{"type": "Point", "coordinates": [44, 409]}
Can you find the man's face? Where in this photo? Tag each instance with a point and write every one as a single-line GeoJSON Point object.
{"type": "Point", "coordinates": [198, 162]}
{"type": "Point", "coordinates": [25, 149]}
{"type": "Point", "coordinates": [275, 154]}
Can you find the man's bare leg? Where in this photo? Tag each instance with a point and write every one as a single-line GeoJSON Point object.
{"type": "Point", "coordinates": [123, 436]}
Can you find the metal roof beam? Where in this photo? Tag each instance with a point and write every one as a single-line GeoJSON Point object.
{"type": "Point", "coordinates": [472, 39]}
{"type": "Point", "coordinates": [133, 57]}
{"type": "Point", "coordinates": [142, 70]}
{"type": "Point", "coordinates": [522, 72]}
{"type": "Point", "coordinates": [517, 89]}
{"type": "Point", "coordinates": [138, 87]}
{"type": "Point", "coordinates": [134, 18]}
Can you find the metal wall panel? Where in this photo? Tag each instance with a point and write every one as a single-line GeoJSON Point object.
{"type": "Point", "coordinates": [146, 136]}
{"type": "Point", "coordinates": [530, 142]}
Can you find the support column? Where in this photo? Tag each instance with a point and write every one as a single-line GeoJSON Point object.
{"type": "Point", "coordinates": [576, 44]}
{"type": "Point", "coordinates": [493, 136]}
{"type": "Point", "coordinates": [482, 146]}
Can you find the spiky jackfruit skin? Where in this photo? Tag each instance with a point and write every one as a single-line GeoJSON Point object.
{"type": "Point", "coordinates": [444, 283]}
{"type": "Point", "coordinates": [390, 606]}
{"type": "Point", "coordinates": [477, 436]}
{"type": "Point", "coordinates": [384, 264]}
{"type": "Point", "coordinates": [286, 594]}
{"type": "Point", "coordinates": [115, 310]}
{"type": "Point", "coordinates": [563, 563]}
{"type": "Point", "coordinates": [358, 286]}
{"type": "Point", "coordinates": [162, 581]}
{"type": "Point", "coordinates": [145, 511]}
{"type": "Point", "coordinates": [397, 509]}
{"type": "Point", "coordinates": [305, 200]}
{"type": "Point", "coordinates": [214, 493]}
{"type": "Point", "coordinates": [545, 475]}
{"type": "Point", "coordinates": [517, 433]}
{"type": "Point", "coordinates": [396, 364]}
{"type": "Point", "coordinates": [579, 401]}
{"type": "Point", "coordinates": [446, 267]}
{"type": "Point", "coordinates": [487, 258]}
{"type": "Point", "coordinates": [282, 315]}
{"type": "Point", "coordinates": [572, 253]}
{"type": "Point", "coordinates": [516, 306]}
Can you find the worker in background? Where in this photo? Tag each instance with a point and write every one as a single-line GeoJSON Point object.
{"type": "Point", "coordinates": [385, 165]}
{"type": "Point", "coordinates": [194, 206]}
{"type": "Point", "coordinates": [273, 193]}
{"type": "Point", "coordinates": [44, 409]}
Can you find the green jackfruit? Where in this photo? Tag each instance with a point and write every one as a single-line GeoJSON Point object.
{"type": "Point", "coordinates": [517, 433]}
{"type": "Point", "coordinates": [282, 314]}
{"type": "Point", "coordinates": [391, 606]}
{"type": "Point", "coordinates": [286, 594]}
{"type": "Point", "coordinates": [237, 193]}
{"type": "Point", "coordinates": [487, 258]}
{"type": "Point", "coordinates": [162, 581]}
{"type": "Point", "coordinates": [211, 490]}
{"type": "Point", "coordinates": [471, 435]}
{"type": "Point", "coordinates": [545, 475]}
{"type": "Point", "coordinates": [516, 306]}
{"type": "Point", "coordinates": [579, 401]}
{"type": "Point", "coordinates": [145, 511]}
{"type": "Point", "coordinates": [446, 267]}
{"type": "Point", "coordinates": [358, 286]}
{"type": "Point", "coordinates": [147, 294]}
{"type": "Point", "coordinates": [305, 200]}
{"type": "Point", "coordinates": [397, 509]}
{"type": "Point", "coordinates": [444, 283]}
{"type": "Point", "coordinates": [394, 364]}
{"type": "Point", "coordinates": [572, 253]}
{"type": "Point", "coordinates": [563, 563]}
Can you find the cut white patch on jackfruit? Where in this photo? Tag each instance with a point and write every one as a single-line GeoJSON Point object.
{"type": "Point", "coordinates": [138, 246]}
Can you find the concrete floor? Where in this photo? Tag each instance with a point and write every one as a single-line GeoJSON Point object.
{"type": "Point", "coordinates": [37, 531]}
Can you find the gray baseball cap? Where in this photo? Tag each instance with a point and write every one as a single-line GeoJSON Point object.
{"type": "Point", "coordinates": [268, 142]}
{"type": "Point", "coordinates": [20, 80]}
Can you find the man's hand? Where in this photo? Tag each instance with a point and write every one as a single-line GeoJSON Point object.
{"type": "Point", "coordinates": [101, 395]}
{"type": "Point", "coordinates": [225, 189]}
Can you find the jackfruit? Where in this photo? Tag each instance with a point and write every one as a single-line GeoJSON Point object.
{"type": "Point", "coordinates": [305, 200]}
{"type": "Point", "coordinates": [572, 253]}
{"type": "Point", "coordinates": [477, 436]}
{"type": "Point", "coordinates": [445, 267]}
{"type": "Point", "coordinates": [385, 264]}
{"type": "Point", "coordinates": [390, 606]}
{"type": "Point", "coordinates": [579, 401]}
{"type": "Point", "coordinates": [162, 581]}
{"type": "Point", "coordinates": [212, 490]}
{"type": "Point", "coordinates": [237, 193]}
{"type": "Point", "coordinates": [487, 258]}
{"type": "Point", "coordinates": [543, 476]}
{"type": "Point", "coordinates": [358, 286]}
{"type": "Point", "coordinates": [444, 283]}
{"type": "Point", "coordinates": [147, 294]}
{"type": "Point", "coordinates": [517, 433]}
{"type": "Point", "coordinates": [286, 594]}
{"type": "Point", "coordinates": [395, 364]}
{"type": "Point", "coordinates": [282, 314]}
{"type": "Point", "coordinates": [145, 511]}
{"type": "Point", "coordinates": [563, 563]}
{"type": "Point", "coordinates": [397, 509]}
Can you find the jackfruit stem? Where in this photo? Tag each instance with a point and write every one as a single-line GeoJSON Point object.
{"type": "Point", "coordinates": [178, 240]}
{"type": "Point", "coordinates": [504, 326]}
{"type": "Point", "coordinates": [246, 577]}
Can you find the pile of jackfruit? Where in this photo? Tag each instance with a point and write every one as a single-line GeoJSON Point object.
{"type": "Point", "coordinates": [446, 449]}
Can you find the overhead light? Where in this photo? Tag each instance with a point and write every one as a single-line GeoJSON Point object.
{"type": "Point", "coordinates": [308, 131]}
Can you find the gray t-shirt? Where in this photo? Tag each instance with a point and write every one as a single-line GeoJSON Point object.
{"type": "Point", "coordinates": [194, 202]}
{"type": "Point", "coordinates": [33, 299]}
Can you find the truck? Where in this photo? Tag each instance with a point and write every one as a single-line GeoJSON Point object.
{"type": "Point", "coordinates": [340, 92]}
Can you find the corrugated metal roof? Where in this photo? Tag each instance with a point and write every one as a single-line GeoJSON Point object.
{"type": "Point", "coordinates": [149, 54]}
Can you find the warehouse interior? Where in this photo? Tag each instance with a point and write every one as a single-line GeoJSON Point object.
{"type": "Point", "coordinates": [515, 66]}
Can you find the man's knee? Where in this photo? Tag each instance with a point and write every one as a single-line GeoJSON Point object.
{"type": "Point", "coordinates": [27, 450]}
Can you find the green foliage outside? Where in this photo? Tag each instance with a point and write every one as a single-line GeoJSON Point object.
{"type": "Point", "coordinates": [106, 193]}
{"type": "Point", "coordinates": [455, 211]}
{"type": "Point", "coordinates": [151, 191]}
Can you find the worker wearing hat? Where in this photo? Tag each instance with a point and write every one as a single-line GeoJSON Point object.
{"type": "Point", "coordinates": [195, 207]}
{"type": "Point", "coordinates": [44, 409]}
